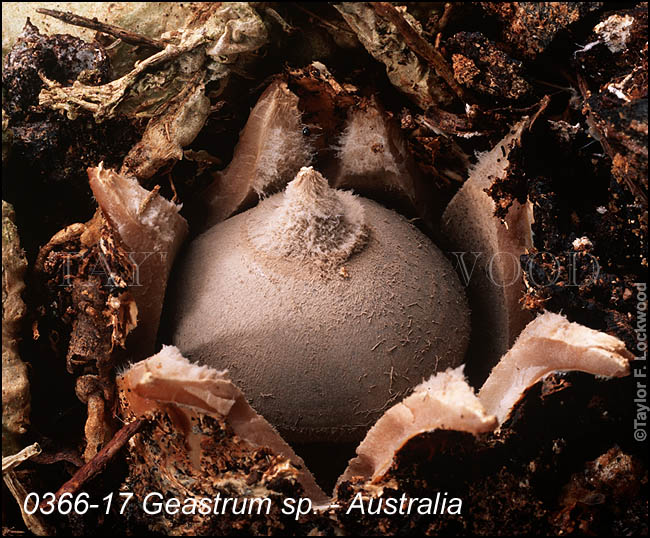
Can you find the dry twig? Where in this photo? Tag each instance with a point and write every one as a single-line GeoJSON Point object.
{"type": "Point", "coordinates": [103, 457]}
{"type": "Point", "coordinates": [93, 24]}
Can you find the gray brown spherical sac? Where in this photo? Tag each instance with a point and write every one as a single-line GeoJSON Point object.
{"type": "Point", "coordinates": [325, 307]}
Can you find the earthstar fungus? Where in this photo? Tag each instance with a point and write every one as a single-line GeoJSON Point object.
{"type": "Point", "coordinates": [334, 283]}
{"type": "Point", "coordinates": [327, 308]}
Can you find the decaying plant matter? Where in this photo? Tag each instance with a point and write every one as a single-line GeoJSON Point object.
{"type": "Point", "coordinates": [616, 100]}
{"type": "Point", "coordinates": [442, 423]}
{"type": "Point", "coordinates": [209, 46]}
{"type": "Point", "coordinates": [168, 378]}
{"type": "Point", "coordinates": [343, 198]}
{"type": "Point", "coordinates": [394, 37]}
{"type": "Point", "coordinates": [151, 231]}
{"type": "Point", "coordinates": [83, 271]}
{"type": "Point", "coordinates": [15, 382]}
{"type": "Point", "coordinates": [105, 278]}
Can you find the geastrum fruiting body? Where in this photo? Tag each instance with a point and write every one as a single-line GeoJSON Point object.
{"type": "Point", "coordinates": [325, 308]}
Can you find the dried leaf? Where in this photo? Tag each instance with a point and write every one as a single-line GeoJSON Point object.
{"type": "Point", "coordinates": [406, 70]}
{"type": "Point", "coordinates": [167, 134]}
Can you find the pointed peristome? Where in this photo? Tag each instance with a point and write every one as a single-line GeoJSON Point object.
{"type": "Point", "coordinates": [314, 222]}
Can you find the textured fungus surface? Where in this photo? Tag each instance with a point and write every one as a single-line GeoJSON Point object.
{"type": "Point", "coordinates": [271, 149]}
{"type": "Point", "coordinates": [322, 318]}
{"type": "Point", "coordinates": [152, 231]}
{"type": "Point", "coordinates": [433, 83]}
{"type": "Point", "coordinates": [487, 250]}
{"type": "Point", "coordinates": [547, 344]}
{"type": "Point", "coordinates": [313, 223]}
{"type": "Point", "coordinates": [167, 380]}
{"type": "Point", "coordinates": [445, 401]}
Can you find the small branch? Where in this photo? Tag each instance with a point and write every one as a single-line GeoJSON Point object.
{"type": "Point", "coordinates": [68, 455]}
{"type": "Point", "coordinates": [11, 462]}
{"type": "Point", "coordinates": [323, 21]}
{"type": "Point", "coordinates": [419, 45]}
{"type": "Point", "coordinates": [152, 194]}
{"type": "Point", "coordinates": [103, 457]}
{"type": "Point", "coordinates": [94, 24]}
{"type": "Point", "coordinates": [446, 15]}
{"type": "Point", "coordinates": [286, 27]}
{"type": "Point", "coordinates": [544, 102]}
